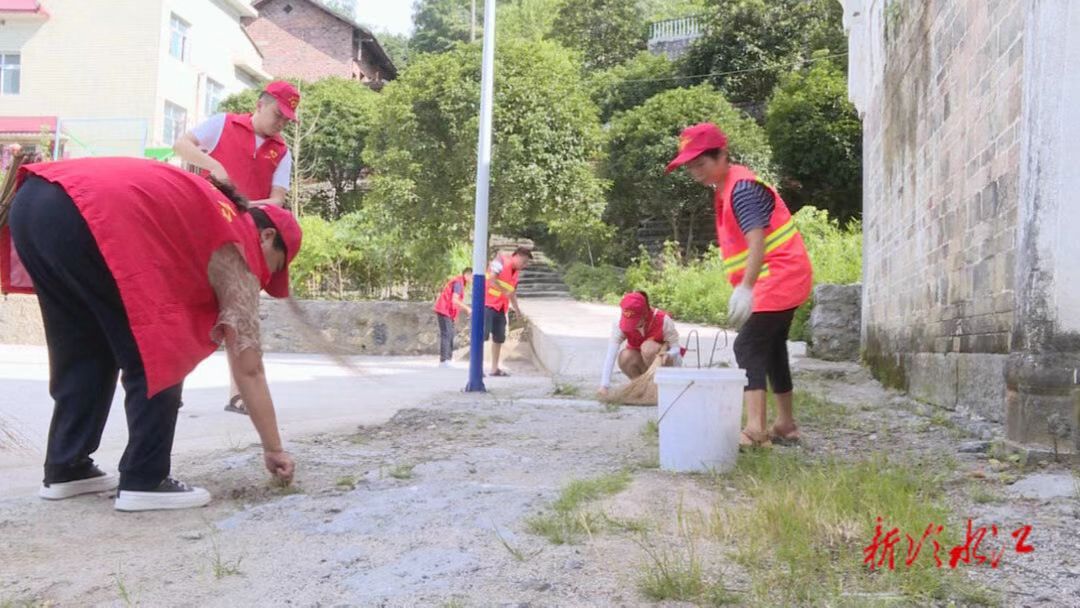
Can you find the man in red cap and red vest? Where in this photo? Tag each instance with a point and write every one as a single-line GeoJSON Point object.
{"type": "Point", "coordinates": [501, 283]}
{"type": "Point", "coordinates": [648, 332]}
{"type": "Point", "coordinates": [247, 150]}
{"type": "Point", "coordinates": [142, 270]}
{"type": "Point", "coordinates": [766, 261]}
{"type": "Point", "coordinates": [450, 302]}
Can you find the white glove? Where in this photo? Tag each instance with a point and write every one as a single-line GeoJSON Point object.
{"type": "Point", "coordinates": [740, 306]}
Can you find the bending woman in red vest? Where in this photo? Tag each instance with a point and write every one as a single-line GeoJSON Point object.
{"type": "Point", "coordinates": [766, 262]}
{"type": "Point", "coordinates": [144, 269]}
{"type": "Point", "coordinates": [648, 332]}
{"type": "Point", "coordinates": [447, 306]}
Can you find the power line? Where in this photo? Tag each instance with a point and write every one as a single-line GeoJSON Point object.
{"type": "Point", "coordinates": [801, 62]}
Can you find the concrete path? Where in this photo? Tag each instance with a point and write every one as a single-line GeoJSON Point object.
{"type": "Point", "coordinates": [311, 394]}
{"type": "Point", "coordinates": [570, 339]}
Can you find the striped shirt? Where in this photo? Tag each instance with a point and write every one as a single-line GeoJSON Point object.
{"type": "Point", "coordinates": [752, 204]}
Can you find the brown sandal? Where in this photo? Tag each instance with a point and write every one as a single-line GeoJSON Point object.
{"type": "Point", "coordinates": [236, 406]}
{"type": "Point", "coordinates": [747, 440]}
{"type": "Point", "coordinates": [792, 437]}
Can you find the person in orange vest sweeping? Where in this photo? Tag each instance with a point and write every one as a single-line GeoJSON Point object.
{"type": "Point", "coordinates": [501, 285]}
{"type": "Point", "coordinates": [448, 305]}
{"type": "Point", "coordinates": [247, 150]}
{"type": "Point", "coordinates": [648, 333]}
{"type": "Point", "coordinates": [767, 264]}
{"type": "Point", "coordinates": [142, 270]}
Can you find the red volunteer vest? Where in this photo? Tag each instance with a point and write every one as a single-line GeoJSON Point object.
{"type": "Point", "coordinates": [156, 226]}
{"type": "Point", "coordinates": [654, 331]}
{"type": "Point", "coordinates": [251, 170]}
{"type": "Point", "coordinates": [786, 276]}
{"type": "Point", "coordinates": [500, 286]}
{"type": "Point", "coordinates": [444, 305]}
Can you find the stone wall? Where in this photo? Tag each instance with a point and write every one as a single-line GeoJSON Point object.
{"type": "Point", "coordinates": [358, 328]}
{"type": "Point", "coordinates": [834, 322]}
{"type": "Point", "coordinates": [941, 181]}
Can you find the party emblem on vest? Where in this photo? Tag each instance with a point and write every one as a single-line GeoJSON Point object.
{"type": "Point", "coordinates": [227, 211]}
{"type": "Point", "coordinates": [272, 154]}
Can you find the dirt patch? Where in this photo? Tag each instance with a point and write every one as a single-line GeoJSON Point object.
{"type": "Point", "coordinates": [432, 509]}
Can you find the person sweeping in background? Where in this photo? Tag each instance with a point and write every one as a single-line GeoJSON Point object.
{"type": "Point", "coordinates": [501, 282]}
{"type": "Point", "coordinates": [247, 151]}
{"type": "Point", "coordinates": [142, 268]}
{"type": "Point", "coordinates": [649, 334]}
{"type": "Point", "coordinates": [447, 306]}
{"type": "Point", "coordinates": [767, 264]}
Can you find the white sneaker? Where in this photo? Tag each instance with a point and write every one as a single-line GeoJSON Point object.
{"type": "Point", "coordinates": [171, 494]}
{"type": "Point", "coordinates": [445, 364]}
{"type": "Point", "coordinates": [103, 482]}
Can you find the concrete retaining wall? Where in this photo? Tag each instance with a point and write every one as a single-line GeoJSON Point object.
{"type": "Point", "coordinates": [360, 328]}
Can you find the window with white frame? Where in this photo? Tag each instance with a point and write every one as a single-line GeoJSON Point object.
{"type": "Point", "coordinates": [175, 123]}
{"type": "Point", "coordinates": [215, 93]}
{"type": "Point", "coordinates": [179, 38]}
{"type": "Point", "coordinates": [10, 73]}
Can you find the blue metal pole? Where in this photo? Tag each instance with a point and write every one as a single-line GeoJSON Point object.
{"type": "Point", "coordinates": [480, 225]}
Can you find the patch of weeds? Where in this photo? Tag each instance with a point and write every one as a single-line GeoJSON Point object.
{"type": "Point", "coordinates": [818, 410]}
{"type": "Point", "coordinates": [35, 603]}
{"type": "Point", "coordinates": [566, 390]}
{"type": "Point", "coordinates": [568, 518]}
{"type": "Point", "coordinates": [282, 488]}
{"type": "Point", "coordinates": [941, 419]}
{"type": "Point", "coordinates": [357, 439]}
{"type": "Point", "coordinates": [803, 534]}
{"type": "Point", "coordinates": [650, 432]}
{"type": "Point", "coordinates": [626, 524]}
{"type": "Point", "coordinates": [679, 576]}
{"type": "Point", "coordinates": [980, 495]}
{"type": "Point", "coordinates": [518, 554]}
{"type": "Point", "coordinates": [122, 591]}
{"type": "Point", "coordinates": [220, 566]}
{"type": "Point", "coordinates": [233, 444]}
{"type": "Point", "coordinates": [454, 603]}
{"type": "Point", "coordinates": [402, 471]}
{"type": "Point", "coordinates": [347, 482]}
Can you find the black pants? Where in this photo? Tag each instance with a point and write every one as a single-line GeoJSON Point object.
{"type": "Point", "coordinates": [446, 337]}
{"type": "Point", "coordinates": [494, 325]}
{"type": "Point", "coordinates": [90, 341]}
{"type": "Point", "coordinates": [761, 350]}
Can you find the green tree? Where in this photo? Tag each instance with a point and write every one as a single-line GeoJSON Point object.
{"type": "Point", "coordinates": [641, 142]}
{"type": "Point", "coordinates": [659, 10]}
{"type": "Point", "coordinates": [629, 84]}
{"type": "Point", "coordinates": [546, 137]}
{"type": "Point", "coordinates": [527, 19]}
{"type": "Point", "coordinates": [752, 43]}
{"type": "Point", "coordinates": [327, 141]}
{"type": "Point", "coordinates": [605, 32]}
{"type": "Point", "coordinates": [398, 48]}
{"type": "Point", "coordinates": [440, 24]}
{"type": "Point", "coordinates": [816, 139]}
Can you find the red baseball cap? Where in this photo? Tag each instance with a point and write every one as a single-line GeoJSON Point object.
{"type": "Point", "coordinates": [695, 140]}
{"type": "Point", "coordinates": [288, 98]}
{"type": "Point", "coordinates": [634, 307]}
{"type": "Point", "coordinates": [289, 229]}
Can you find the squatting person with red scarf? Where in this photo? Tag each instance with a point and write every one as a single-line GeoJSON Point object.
{"type": "Point", "coordinates": [648, 333]}
{"type": "Point", "coordinates": [141, 270]}
{"type": "Point", "coordinates": [767, 264]}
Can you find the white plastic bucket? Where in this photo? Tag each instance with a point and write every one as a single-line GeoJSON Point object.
{"type": "Point", "coordinates": [700, 412]}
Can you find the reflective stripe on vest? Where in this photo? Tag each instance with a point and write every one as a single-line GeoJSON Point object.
{"type": "Point", "coordinates": [773, 241]}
